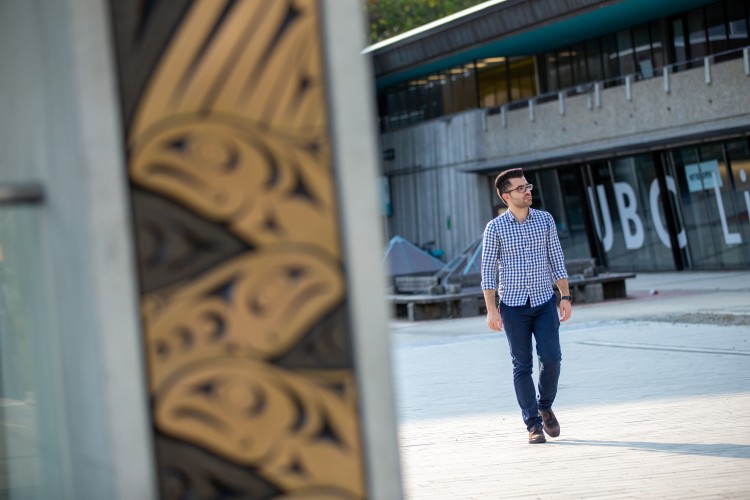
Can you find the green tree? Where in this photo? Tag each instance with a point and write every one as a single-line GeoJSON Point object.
{"type": "Point", "coordinates": [388, 18]}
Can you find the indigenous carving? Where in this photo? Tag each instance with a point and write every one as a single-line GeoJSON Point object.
{"type": "Point", "coordinates": [267, 187]}
{"type": "Point", "coordinates": [243, 293]}
{"type": "Point", "coordinates": [256, 306]}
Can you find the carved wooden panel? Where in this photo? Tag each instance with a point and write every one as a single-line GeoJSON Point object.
{"type": "Point", "coordinates": [243, 295]}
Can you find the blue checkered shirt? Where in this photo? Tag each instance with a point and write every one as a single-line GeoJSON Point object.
{"type": "Point", "coordinates": [522, 260]}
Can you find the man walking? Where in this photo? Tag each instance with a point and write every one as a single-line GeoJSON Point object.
{"type": "Point", "coordinates": [521, 257]}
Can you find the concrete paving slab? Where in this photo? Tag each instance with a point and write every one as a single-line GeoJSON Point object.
{"type": "Point", "coordinates": [648, 408]}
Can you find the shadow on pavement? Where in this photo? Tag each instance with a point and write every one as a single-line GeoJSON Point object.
{"type": "Point", "coordinates": [705, 449]}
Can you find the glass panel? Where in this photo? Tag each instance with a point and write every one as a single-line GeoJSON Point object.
{"type": "Point", "coordinates": [571, 225]}
{"type": "Point", "coordinates": [643, 52]}
{"type": "Point", "coordinates": [625, 201]}
{"type": "Point", "coordinates": [434, 96]}
{"type": "Point", "coordinates": [697, 37]}
{"type": "Point", "coordinates": [547, 197]}
{"type": "Point", "coordinates": [470, 86]}
{"type": "Point", "coordinates": [717, 28]}
{"type": "Point", "coordinates": [403, 102]}
{"type": "Point", "coordinates": [610, 57]}
{"type": "Point", "coordinates": [446, 93]}
{"type": "Point", "coordinates": [419, 87]}
{"type": "Point", "coordinates": [493, 82]}
{"type": "Point", "coordinates": [411, 104]}
{"type": "Point", "coordinates": [679, 42]}
{"type": "Point", "coordinates": [625, 49]}
{"type": "Point", "coordinates": [455, 87]}
{"type": "Point", "coordinates": [657, 47]}
{"type": "Point", "coordinates": [565, 68]}
{"type": "Point", "coordinates": [522, 78]}
{"type": "Point", "coordinates": [550, 66]}
{"type": "Point", "coordinates": [711, 213]}
{"type": "Point", "coordinates": [578, 55]}
{"type": "Point", "coordinates": [594, 60]}
{"type": "Point", "coordinates": [737, 17]}
{"type": "Point", "coordinates": [383, 111]}
{"type": "Point", "coordinates": [29, 463]}
{"type": "Point", "coordinates": [738, 155]}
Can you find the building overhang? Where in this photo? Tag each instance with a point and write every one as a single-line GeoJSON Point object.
{"type": "Point", "coordinates": [687, 135]}
{"type": "Point", "coordinates": [509, 28]}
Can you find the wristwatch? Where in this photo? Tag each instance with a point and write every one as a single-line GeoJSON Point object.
{"type": "Point", "coordinates": [567, 297]}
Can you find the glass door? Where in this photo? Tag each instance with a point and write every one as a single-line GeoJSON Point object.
{"type": "Point", "coordinates": [711, 199]}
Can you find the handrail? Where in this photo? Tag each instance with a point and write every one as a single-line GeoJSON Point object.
{"type": "Point", "coordinates": [593, 87]}
{"type": "Point", "coordinates": [26, 193]}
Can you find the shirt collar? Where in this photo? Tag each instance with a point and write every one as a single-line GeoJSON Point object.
{"type": "Point", "coordinates": [512, 217]}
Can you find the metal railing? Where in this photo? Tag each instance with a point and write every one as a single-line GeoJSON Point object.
{"type": "Point", "coordinates": [397, 121]}
{"type": "Point", "coordinates": [594, 88]}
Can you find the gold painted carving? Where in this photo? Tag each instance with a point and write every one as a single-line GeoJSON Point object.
{"type": "Point", "coordinates": [232, 125]}
{"type": "Point", "coordinates": [237, 130]}
{"type": "Point", "coordinates": [256, 415]}
{"type": "Point", "coordinates": [256, 306]}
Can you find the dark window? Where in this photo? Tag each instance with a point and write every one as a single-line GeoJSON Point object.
{"type": "Point", "coordinates": [657, 46]}
{"type": "Point", "coordinates": [565, 68]}
{"type": "Point", "coordinates": [470, 86]}
{"type": "Point", "coordinates": [679, 43]}
{"type": "Point", "coordinates": [697, 35]}
{"type": "Point", "coordinates": [717, 28]}
{"type": "Point", "coordinates": [493, 82]}
{"type": "Point", "coordinates": [737, 23]}
{"type": "Point", "coordinates": [522, 78]}
{"type": "Point", "coordinates": [578, 56]}
{"type": "Point", "coordinates": [434, 97]}
{"type": "Point", "coordinates": [550, 66]}
{"type": "Point", "coordinates": [610, 57]}
{"type": "Point", "coordinates": [594, 60]}
{"type": "Point", "coordinates": [626, 53]}
{"type": "Point", "coordinates": [643, 53]}
{"type": "Point", "coordinates": [462, 88]}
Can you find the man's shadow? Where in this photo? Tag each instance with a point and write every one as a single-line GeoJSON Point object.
{"type": "Point", "coordinates": [726, 450]}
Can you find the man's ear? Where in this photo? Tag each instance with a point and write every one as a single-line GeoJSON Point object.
{"type": "Point", "coordinates": [501, 198]}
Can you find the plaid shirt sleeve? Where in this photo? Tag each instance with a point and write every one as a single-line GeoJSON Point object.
{"type": "Point", "coordinates": [555, 253]}
{"type": "Point", "coordinates": [490, 256]}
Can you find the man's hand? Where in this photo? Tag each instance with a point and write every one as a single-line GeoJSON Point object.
{"type": "Point", "coordinates": [494, 321]}
{"type": "Point", "coordinates": [565, 310]}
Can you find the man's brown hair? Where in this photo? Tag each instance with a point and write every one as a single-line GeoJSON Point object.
{"type": "Point", "coordinates": [502, 181]}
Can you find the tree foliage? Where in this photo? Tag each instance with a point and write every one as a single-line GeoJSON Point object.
{"type": "Point", "coordinates": [388, 18]}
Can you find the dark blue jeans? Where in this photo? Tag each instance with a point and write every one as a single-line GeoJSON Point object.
{"type": "Point", "coordinates": [543, 322]}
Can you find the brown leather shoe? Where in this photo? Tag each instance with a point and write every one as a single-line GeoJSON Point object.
{"type": "Point", "coordinates": [551, 425]}
{"type": "Point", "coordinates": [536, 435]}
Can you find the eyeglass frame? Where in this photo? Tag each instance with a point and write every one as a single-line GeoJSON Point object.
{"type": "Point", "coordinates": [526, 187]}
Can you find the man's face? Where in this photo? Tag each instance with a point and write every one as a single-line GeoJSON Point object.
{"type": "Point", "coordinates": [517, 195]}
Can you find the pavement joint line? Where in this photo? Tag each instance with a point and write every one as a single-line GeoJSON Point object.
{"type": "Point", "coordinates": [657, 347]}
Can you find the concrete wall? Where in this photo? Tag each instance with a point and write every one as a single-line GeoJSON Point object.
{"type": "Point", "coordinates": [432, 199]}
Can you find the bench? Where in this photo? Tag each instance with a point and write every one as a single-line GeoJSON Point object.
{"type": "Point", "coordinates": [464, 304]}
{"type": "Point", "coordinates": [588, 285]}
{"type": "Point", "coordinates": [418, 284]}
{"type": "Point", "coordinates": [423, 297]}
{"type": "Point", "coordinates": [583, 267]}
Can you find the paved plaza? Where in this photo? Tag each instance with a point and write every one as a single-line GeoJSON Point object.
{"type": "Point", "coordinates": [654, 400]}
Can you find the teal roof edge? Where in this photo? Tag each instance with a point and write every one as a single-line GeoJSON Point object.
{"type": "Point", "coordinates": [607, 19]}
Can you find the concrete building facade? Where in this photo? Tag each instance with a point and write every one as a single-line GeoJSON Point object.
{"type": "Point", "coordinates": [631, 120]}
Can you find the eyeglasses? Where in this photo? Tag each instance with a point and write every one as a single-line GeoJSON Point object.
{"type": "Point", "coordinates": [522, 189]}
